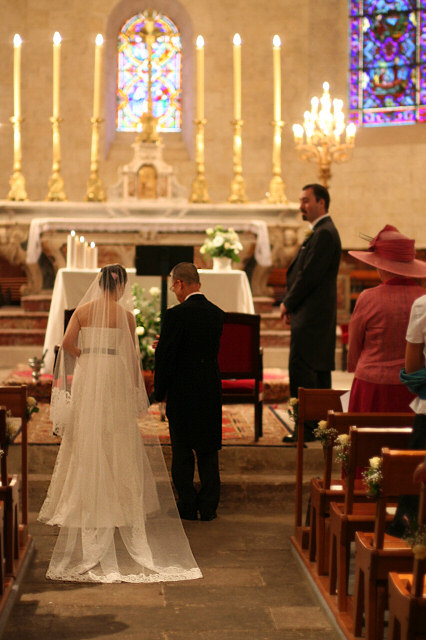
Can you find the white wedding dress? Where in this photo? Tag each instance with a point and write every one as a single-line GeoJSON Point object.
{"type": "Point", "coordinates": [110, 493]}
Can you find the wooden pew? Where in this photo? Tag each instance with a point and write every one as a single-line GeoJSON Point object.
{"type": "Point", "coordinates": [376, 554]}
{"type": "Point", "coordinates": [407, 595]}
{"type": "Point", "coordinates": [9, 495]}
{"type": "Point", "coordinates": [14, 398]}
{"type": "Point", "coordinates": [313, 405]}
{"type": "Point", "coordinates": [321, 492]}
{"type": "Point", "coordinates": [350, 516]}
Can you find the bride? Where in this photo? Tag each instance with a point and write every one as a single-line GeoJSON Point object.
{"type": "Point", "coordinates": [110, 493]}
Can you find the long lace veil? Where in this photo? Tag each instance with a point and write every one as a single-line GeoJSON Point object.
{"type": "Point", "coordinates": [110, 492]}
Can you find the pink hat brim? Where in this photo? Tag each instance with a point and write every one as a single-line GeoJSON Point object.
{"type": "Point", "coordinates": [413, 269]}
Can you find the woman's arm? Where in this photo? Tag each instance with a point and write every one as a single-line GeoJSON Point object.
{"type": "Point", "coordinates": [71, 335]}
{"type": "Point", "coordinates": [414, 358]}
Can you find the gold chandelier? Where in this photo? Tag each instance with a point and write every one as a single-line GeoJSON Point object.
{"type": "Point", "coordinates": [320, 138]}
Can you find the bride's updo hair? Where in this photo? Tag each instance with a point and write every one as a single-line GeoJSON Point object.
{"type": "Point", "coordinates": [112, 276]}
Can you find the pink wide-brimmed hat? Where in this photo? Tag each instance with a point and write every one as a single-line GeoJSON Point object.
{"type": "Point", "coordinates": [394, 252]}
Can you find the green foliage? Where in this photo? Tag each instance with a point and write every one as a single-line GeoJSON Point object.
{"type": "Point", "coordinates": [148, 322]}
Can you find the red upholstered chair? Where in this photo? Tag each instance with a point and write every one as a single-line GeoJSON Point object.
{"type": "Point", "coordinates": [241, 364]}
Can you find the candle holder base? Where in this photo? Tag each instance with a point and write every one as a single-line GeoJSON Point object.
{"type": "Point", "coordinates": [95, 189]}
{"type": "Point", "coordinates": [277, 191]}
{"type": "Point", "coordinates": [56, 188]}
{"type": "Point", "coordinates": [17, 187]}
{"type": "Point", "coordinates": [199, 190]}
{"type": "Point", "coordinates": [238, 190]}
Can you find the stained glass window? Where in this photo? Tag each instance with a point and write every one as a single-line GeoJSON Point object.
{"type": "Point", "coordinates": [387, 62]}
{"type": "Point", "coordinates": [132, 82]}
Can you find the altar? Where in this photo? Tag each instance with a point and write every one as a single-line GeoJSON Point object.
{"type": "Point", "coordinates": [230, 290]}
{"type": "Point", "coordinates": [33, 234]}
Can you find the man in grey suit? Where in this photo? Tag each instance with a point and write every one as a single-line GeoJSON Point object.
{"type": "Point", "coordinates": [309, 304]}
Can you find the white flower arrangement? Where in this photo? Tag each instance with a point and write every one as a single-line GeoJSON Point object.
{"type": "Point", "coordinates": [372, 477]}
{"type": "Point", "coordinates": [293, 409]}
{"type": "Point", "coordinates": [221, 243]}
{"type": "Point", "coordinates": [343, 444]}
{"type": "Point", "coordinates": [148, 321]}
{"type": "Point", "coordinates": [325, 435]}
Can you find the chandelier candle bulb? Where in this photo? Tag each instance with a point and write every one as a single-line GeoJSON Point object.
{"type": "Point", "coordinates": [71, 250]}
{"type": "Point", "coordinates": [276, 49]}
{"type": "Point", "coordinates": [237, 76]}
{"type": "Point", "coordinates": [97, 76]}
{"type": "Point", "coordinates": [56, 72]}
{"type": "Point", "coordinates": [92, 256]}
{"type": "Point", "coordinates": [17, 42]}
{"type": "Point", "coordinates": [200, 78]}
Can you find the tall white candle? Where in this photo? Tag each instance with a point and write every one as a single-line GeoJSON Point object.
{"type": "Point", "coordinates": [97, 77]}
{"type": "Point", "coordinates": [17, 75]}
{"type": "Point", "coordinates": [92, 256]}
{"type": "Point", "coordinates": [276, 49]}
{"type": "Point", "coordinates": [237, 76]}
{"type": "Point", "coordinates": [71, 250]}
{"type": "Point", "coordinates": [56, 72]}
{"type": "Point", "coordinates": [81, 253]}
{"type": "Point", "coordinates": [200, 78]}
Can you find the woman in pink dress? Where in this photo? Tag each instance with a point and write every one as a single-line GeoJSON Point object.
{"type": "Point", "coordinates": [379, 323]}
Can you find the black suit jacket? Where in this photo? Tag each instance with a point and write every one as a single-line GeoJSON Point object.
{"type": "Point", "coordinates": [187, 372]}
{"type": "Point", "coordinates": [311, 296]}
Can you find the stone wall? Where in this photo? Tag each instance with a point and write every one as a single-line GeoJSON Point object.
{"type": "Point", "coordinates": [383, 183]}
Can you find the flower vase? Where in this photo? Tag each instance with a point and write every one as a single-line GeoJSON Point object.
{"type": "Point", "coordinates": [222, 264]}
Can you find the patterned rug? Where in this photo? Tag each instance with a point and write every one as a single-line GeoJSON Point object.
{"type": "Point", "coordinates": [237, 425]}
{"type": "Point", "coordinates": [275, 384]}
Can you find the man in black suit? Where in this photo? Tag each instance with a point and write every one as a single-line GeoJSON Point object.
{"type": "Point", "coordinates": [187, 377]}
{"type": "Point", "coordinates": [309, 304]}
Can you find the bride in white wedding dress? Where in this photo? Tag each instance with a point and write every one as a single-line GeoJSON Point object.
{"type": "Point", "coordinates": [110, 493]}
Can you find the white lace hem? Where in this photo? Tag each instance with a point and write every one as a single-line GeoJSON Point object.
{"type": "Point", "coordinates": [168, 575]}
{"type": "Point", "coordinates": [61, 410]}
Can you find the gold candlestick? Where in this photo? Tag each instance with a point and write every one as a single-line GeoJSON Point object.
{"type": "Point", "coordinates": [276, 186]}
{"type": "Point", "coordinates": [199, 186]}
{"type": "Point", "coordinates": [56, 184]}
{"type": "Point", "coordinates": [95, 188]}
{"type": "Point", "coordinates": [17, 181]}
{"type": "Point", "coordinates": [318, 140]}
{"type": "Point", "coordinates": [238, 193]}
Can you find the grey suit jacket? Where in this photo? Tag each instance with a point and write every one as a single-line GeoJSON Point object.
{"type": "Point", "coordinates": [311, 296]}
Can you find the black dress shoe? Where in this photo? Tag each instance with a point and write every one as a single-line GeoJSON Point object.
{"type": "Point", "coordinates": [187, 515]}
{"type": "Point", "coordinates": [207, 517]}
{"type": "Point", "coordinates": [289, 440]}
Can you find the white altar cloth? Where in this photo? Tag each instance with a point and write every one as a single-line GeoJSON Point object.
{"type": "Point", "coordinates": [230, 290]}
{"type": "Point", "coordinates": [86, 225]}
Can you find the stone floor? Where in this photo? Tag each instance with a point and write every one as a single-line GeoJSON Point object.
{"type": "Point", "coordinates": [252, 589]}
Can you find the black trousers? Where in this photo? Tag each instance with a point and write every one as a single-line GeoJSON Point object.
{"type": "Point", "coordinates": [190, 501]}
{"type": "Point", "coordinates": [302, 375]}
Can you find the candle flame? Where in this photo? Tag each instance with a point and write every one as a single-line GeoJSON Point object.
{"type": "Point", "coordinates": [73, 232]}
{"type": "Point", "coordinates": [200, 42]}
{"type": "Point", "coordinates": [237, 40]}
{"type": "Point", "coordinates": [326, 86]}
{"type": "Point", "coordinates": [81, 238]}
{"type": "Point", "coordinates": [276, 41]}
{"type": "Point", "coordinates": [57, 38]}
{"type": "Point", "coordinates": [99, 40]}
{"type": "Point", "coordinates": [92, 244]}
{"type": "Point", "coordinates": [17, 40]}
{"type": "Point", "coordinates": [350, 130]}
